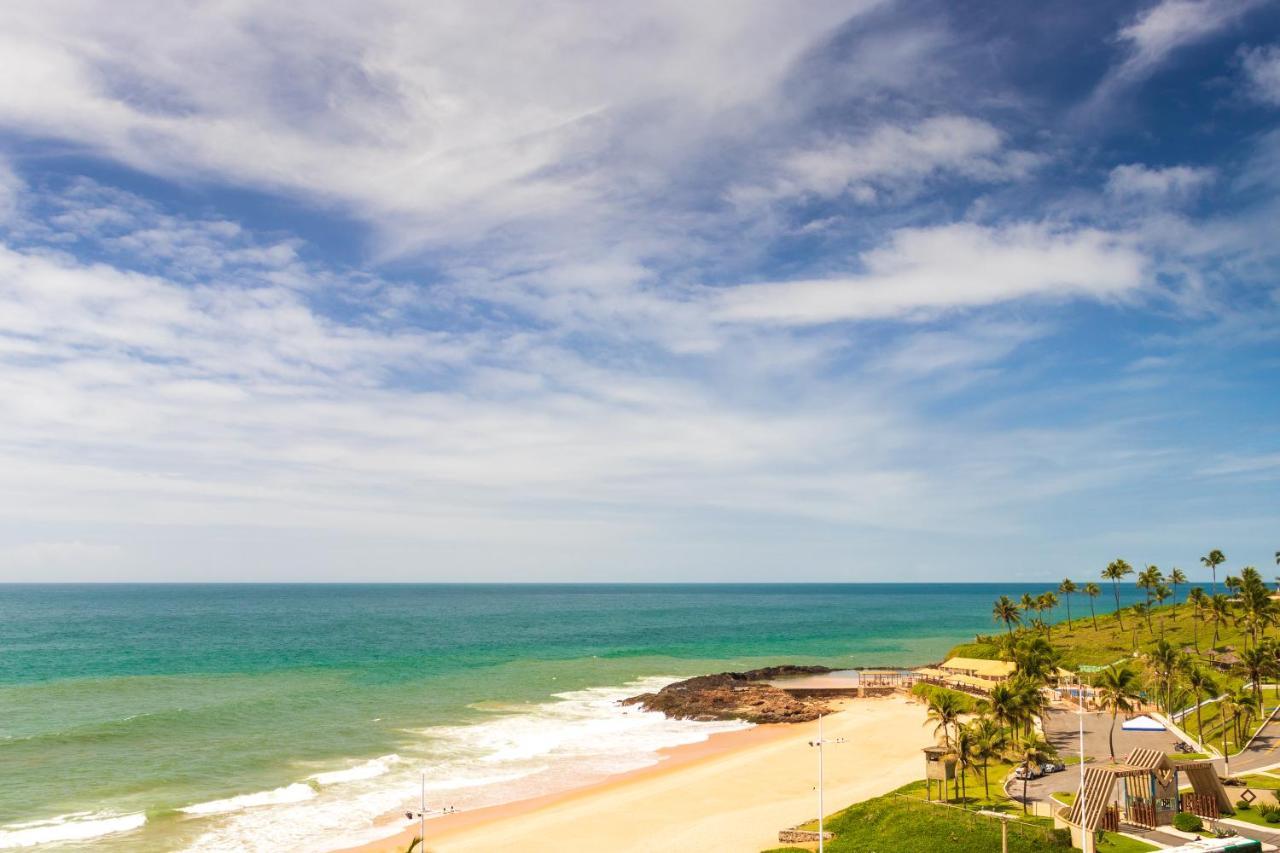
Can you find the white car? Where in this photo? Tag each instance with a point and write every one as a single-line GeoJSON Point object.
{"type": "Point", "coordinates": [1027, 771]}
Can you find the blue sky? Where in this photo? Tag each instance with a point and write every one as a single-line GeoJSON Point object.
{"type": "Point", "coordinates": [866, 290]}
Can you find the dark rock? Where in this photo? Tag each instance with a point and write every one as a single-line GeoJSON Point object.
{"type": "Point", "coordinates": [736, 696]}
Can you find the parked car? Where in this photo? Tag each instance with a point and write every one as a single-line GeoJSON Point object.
{"type": "Point", "coordinates": [1052, 767]}
{"type": "Point", "coordinates": [1027, 771]}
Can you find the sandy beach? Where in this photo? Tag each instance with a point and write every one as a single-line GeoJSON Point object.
{"type": "Point", "coordinates": [731, 793]}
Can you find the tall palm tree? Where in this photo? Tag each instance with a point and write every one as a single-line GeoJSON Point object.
{"type": "Point", "coordinates": [945, 711]}
{"type": "Point", "coordinates": [1115, 572]}
{"type": "Point", "coordinates": [1176, 576]}
{"type": "Point", "coordinates": [1229, 711]}
{"type": "Point", "coordinates": [1065, 589]}
{"type": "Point", "coordinates": [1046, 601]}
{"type": "Point", "coordinates": [965, 759]}
{"type": "Point", "coordinates": [1246, 709]}
{"type": "Point", "coordinates": [1165, 662]}
{"type": "Point", "coordinates": [1219, 612]}
{"type": "Point", "coordinates": [988, 742]}
{"type": "Point", "coordinates": [1030, 750]}
{"type": "Point", "coordinates": [1162, 593]}
{"type": "Point", "coordinates": [1202, 687]}
{"type": "Point", "coordinates": [1255, 664]}
{"type": "Point", "coordinates": [1199, 603]}
{"type": "Point", "coordinates": [1005, 706]}
{"type": "Point", "coordinates": [1118, 692]}
{"type": "Point", "coordinates": [1142, 610]}
{"type": "Point", "coordinates": [1092, 591]}
{"type": "Point", "coordinates": [1211, 561]}
{"type": "Point", "coordinates": [1028, 603]}
{"type": "Point", "coordinates": [1148, 579]}
{"type": "Point", "coordinates": [1004, 610]}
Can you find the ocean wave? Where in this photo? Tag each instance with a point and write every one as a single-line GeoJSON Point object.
{"type": "Point", "coordinates": [295, 793]}
{"type": "Point", "coordinates": [80, 826]}
{"type": "Point", "coordinates": [528, 750]}
{"type": "Point", "coordinates": [368, 770]}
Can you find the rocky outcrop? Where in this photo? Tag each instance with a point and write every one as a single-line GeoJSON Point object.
{"type": "Point", "coordinates": [736, 696]}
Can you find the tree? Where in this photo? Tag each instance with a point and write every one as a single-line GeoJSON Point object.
{"type": "Point", "coordinates": [1005, 707]}
{"type": "Point", "coordinates": [1004, 610]}
{"type": "Point", "coordinates": [1164, 661]}
{"type": "Point", "coordinates": [1219, 612]}
{"type": "Point", "coordinates": [1091, 589]}
{"type": "Point", "coordinates": [1118, 692]}
{"type": "Point", "coordinates": [1027, 602]}
{"type": "Point", "coordinates": [1255, 664]}
{"type": "Point", "coordinates": [1199, 606]}
{"type": "Point", "coordinates": [1115, 572]}
{"type": "Point", "coordinates": [1176, 576]}
{"type": "Point", "coordinates": [1148, 579]}
{"type": "Point", "coordinates": [1065, 589]}
{"type": "Point", "coordinates": [1203, 687]}
{"type": "Point", "coordinates": [965, 759]}
{"type": "Point", "coordinates": [945, 711]}
{"type": "Point", "coordinates": [1211, 561]}
{"type": "Point", "coordinates": [988, 742]}
{"type": "Point", "coordinates": [1162, 593]}
{"type": "Point", "coordinates": [1142, 611]}
{"type": "Point", "coordinates": [1046, 601]}
{"type": "Point", "coordinates": [1030, 750]}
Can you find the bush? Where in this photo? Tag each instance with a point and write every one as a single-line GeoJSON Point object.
{"type": "Point", "coordinates": [1187, 822]}
{"type": "Point", "coordinates": [1264, 809]}
{"type": "Point", "coordinates": [1273, 817]}
{"type": "Point", "coordinates": [1243, 805]}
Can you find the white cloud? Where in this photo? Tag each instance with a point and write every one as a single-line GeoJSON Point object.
{"type": "Point", "coordinates": [1171, 24]}
{"type": "Point", "coordinates": [922, 271]}
{"type": "Point", "coordinates": [1262, 71]}
{"type": "Point", "coordinates": [435, 121]}
{"type": "Point", "coordinates": [1173, 182]}
{"type": "Point", "coordinates": [893, 158]}
{"type": "Point", "coordinates": [11, 186]}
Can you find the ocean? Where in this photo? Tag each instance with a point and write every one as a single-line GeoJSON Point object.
{"type": "Point", "coordinates": [280, 717]}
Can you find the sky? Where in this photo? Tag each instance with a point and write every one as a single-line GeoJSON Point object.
{"type": "Point", "coordinates": [891, 290]}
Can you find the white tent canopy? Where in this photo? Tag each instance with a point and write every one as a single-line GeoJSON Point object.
{"type": "Point", "coordinates": [1142, 724]}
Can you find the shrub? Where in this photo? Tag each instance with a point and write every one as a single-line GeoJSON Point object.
{"type": "Point", "coordinates": [1273, 816]}
{"type": "Point", "coordinates": [1243, 805]}
{"type": "Point", "coordinates": [1265, 809]}
{"type": "Point", "coordinates": [1187, 822]}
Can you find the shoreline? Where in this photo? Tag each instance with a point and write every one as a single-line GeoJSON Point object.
{"type": "Point", "coordinates": [762, 774]}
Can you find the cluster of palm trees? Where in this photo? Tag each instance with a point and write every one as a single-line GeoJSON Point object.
{"type": "Point", "coordinates": [1003, 724]}
{"type": "Point", "coordinates": [1011, 612]}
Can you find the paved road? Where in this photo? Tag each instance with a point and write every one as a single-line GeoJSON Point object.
{"type": "Point", "coordinates": [1263, 752]}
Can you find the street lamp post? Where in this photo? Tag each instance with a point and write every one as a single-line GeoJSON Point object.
{"type": "Point", "coordinates": [821, 811]}
{"type": "Point", "coordinates": [421, 814]}
{"type": "Point", "coordinates": [1086, 836]}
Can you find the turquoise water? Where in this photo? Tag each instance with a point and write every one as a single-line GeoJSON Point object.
{"type": "Point", "coordinates": [270, 717]}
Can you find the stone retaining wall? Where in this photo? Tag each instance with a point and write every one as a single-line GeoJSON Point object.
{"type": "Point", "coordinates": [802, 836]}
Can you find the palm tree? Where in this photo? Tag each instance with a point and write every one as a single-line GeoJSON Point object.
{"type": "Point", "coordinates": [1255, 664]}
{"type": "Point", "coordinates": [1161, 594]}
{"type": "Point", "coordinates": [1164, 661]}
{"type": "Point", "coordinates": [965, 759]}
{"type": "Point", "coordinates": [1176, 576]}
{"type": "Point", "coordinates": [1246, 708]}
{"type": "Point", "coordinates": [1004, 610]}
{"type": "Point", "coordinates": [1005, 706]}
{"type": "Point", "coordinates": [1199, 604]}
{"type": "Point", "coordinates": [1091, 589]}
{"type": "Point", "coordinates": [988, 743]}
{"type": "Point", "coordinates": [1115, 572]}
{"type": "Point", "coordinates": [1212, 560]}
{"type": "Point", "coordinates": [1030, 750]}
{"type": "Point", "coordinates": [1219, 612]}
{"type": "Point", "coordinates": [1028, 603]}
{"type": "Point", "coordinates": [1117, 691]}
{"type": "Point", "coordinates": [1046, 601]}
{"type": "Point", "coordinates": [945, 710]}
{"type": "Point", "coordinates": [1148, 579]}
{"type": "Point", "coordinates": [1065, 589]}
{"type": "Point", "coordinates": [1202, 687]}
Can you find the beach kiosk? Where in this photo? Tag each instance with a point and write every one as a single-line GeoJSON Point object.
{"type": "Point", "coordinates": [939, 766]}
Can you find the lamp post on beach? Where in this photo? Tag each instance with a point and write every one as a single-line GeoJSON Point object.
{"type": "Point", "coordinates": [819, 744]}
{"type": "Point", "coordinates": [421, 814]}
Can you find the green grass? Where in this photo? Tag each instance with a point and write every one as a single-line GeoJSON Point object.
{"type": "Point", "coordinates": [902, 821]}
{"type": "Point", "coordinates": [1263, 783]}
{"type": "Point", "coordinates": [1253, 816]}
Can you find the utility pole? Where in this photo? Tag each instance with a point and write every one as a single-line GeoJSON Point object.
{"type": "Point", "coordinates": [1086, 835]}
{"type": "Point", "coordinates": [421, 814]}
{"type": "Point", "coordinates": [821, 811]}
{"type": "Point", "coordinates": [1004, 827]}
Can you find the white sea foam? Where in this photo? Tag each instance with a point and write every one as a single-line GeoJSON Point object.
{"type": "Point", "coordinates": [368, 770]}
{"type": "Point", "coordinates": [80, 826]}
{"type": "Point", "coordinates": [295, 793]}
{"type": "Point", "coordinates": [520, 751]}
